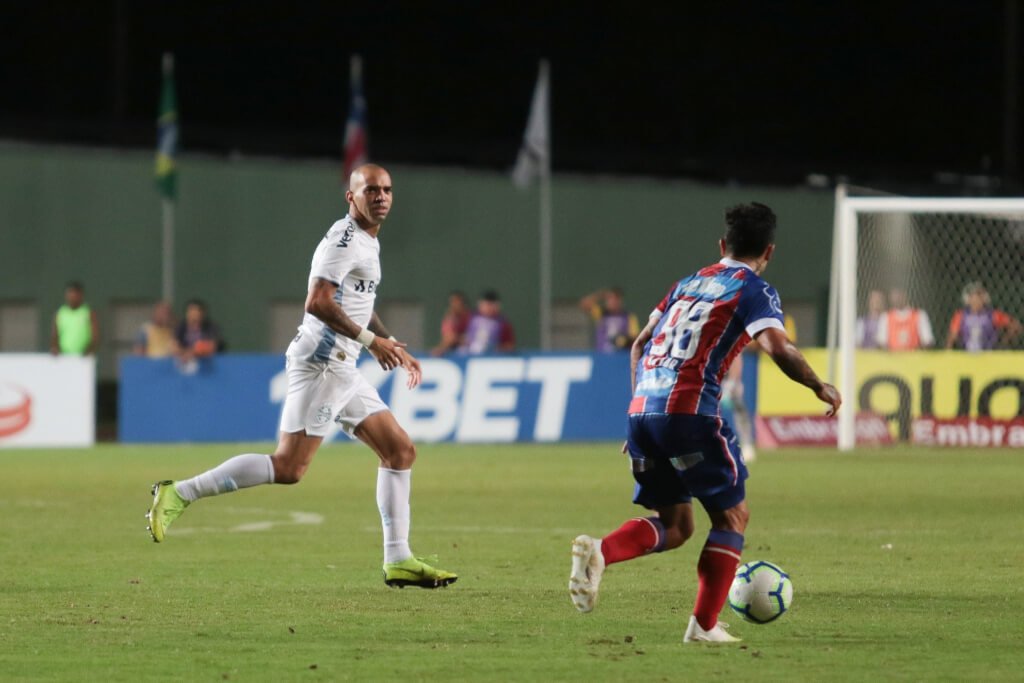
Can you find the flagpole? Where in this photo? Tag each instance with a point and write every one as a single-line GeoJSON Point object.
{"type": "Point", "coordinates": [545, 223]}
{"type": "Point", "coordinates": [167, 288]}
{"type": "Point", "coordinates": [167, 203]}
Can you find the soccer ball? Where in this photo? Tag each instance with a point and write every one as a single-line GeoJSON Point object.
{"type": "Point", "coordinates": [761, 592]}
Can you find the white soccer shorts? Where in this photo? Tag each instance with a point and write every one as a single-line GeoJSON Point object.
{"type": "Point", "coordinates": [320, 393]}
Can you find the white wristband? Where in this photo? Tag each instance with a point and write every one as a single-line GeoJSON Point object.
{"type": "Point", "coordinates": [365, 337]}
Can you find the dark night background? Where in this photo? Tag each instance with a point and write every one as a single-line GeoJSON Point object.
{"type": "Point", "coordinates": [889, 92]}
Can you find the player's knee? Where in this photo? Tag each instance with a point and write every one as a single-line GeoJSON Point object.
{"type": "Point", "coordinates": [287, 471]}
{"type": "Point", "coordinates": [401, 456]}
{"type": "Point", "coordinates": [737, 518]}
{"type": "Point", "coordinates": [678, 535]}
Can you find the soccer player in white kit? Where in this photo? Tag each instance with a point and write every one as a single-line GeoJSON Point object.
{"type": "Point", "coordinates": [325, 386]}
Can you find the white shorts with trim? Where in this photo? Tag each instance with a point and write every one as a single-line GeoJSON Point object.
{"type": "Point", "coordinates": [319, 393]}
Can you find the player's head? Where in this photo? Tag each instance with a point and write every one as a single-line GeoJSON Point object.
{"type": "Point", "coordinates": [749, 234]}
{"type": "Point", "coordinates": [74, 294]}
{"type": "Point", "coordinates": [975, 296]}
{"type": "Point", "coordinates": [369, 194]}
{"type": "Point", "coordinates": [490, 303]}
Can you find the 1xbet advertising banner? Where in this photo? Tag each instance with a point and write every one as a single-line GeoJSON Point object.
{"type": "Point", "coordinates": [47, 400]}
{"type": "Point", "coordinates": [942, 398]}
{"type": "Point", "coordinates": [539, 397]}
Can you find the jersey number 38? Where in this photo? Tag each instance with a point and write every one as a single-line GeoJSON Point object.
{"type": "Point", "coordinates": [680, 334]}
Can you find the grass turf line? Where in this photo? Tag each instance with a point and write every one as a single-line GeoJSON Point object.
{"type": "Point", "coordinates": [86, 595]}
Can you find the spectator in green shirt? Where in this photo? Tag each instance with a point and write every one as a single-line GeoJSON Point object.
{"type": "Point", "coordinates": [75, 329]}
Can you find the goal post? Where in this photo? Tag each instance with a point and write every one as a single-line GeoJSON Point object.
{"type": "Point", "coordinates": [931, 247]}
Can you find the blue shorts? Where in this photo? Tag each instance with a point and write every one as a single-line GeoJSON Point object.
{"type": "Point", "coordinates": [678, 457]}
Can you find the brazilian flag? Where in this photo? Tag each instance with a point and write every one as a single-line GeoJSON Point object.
{"type": "Point", "coordinates": [167, 134]}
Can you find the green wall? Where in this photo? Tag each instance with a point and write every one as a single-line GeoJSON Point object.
{"type": "Point", "coordinates": [246, 230]}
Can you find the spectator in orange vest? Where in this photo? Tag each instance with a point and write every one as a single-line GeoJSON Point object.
{"type": "Point", "coordinates": [903, 327]}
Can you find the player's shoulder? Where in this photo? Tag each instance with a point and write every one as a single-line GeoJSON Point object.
{"type": "Point", "coordinates": [754, 282]}
{"type": "Point", "coordinates": [709, 271]}
{"type": "Point", "coordinates": [341, 234]}
{"type": "Point", "coordinates": [759, 291]}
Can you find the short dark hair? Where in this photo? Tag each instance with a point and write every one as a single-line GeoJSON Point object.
{"type": "Point", "coordinates": [197, 302]}
{"type": "Point", "coordinates": [75, 285]}
{"type": "Point", "coordinates": [490, 295]}
{"type": "Point", "coordinates": [749, 229]}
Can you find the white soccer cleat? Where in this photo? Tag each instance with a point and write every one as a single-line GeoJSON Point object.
{"type": "Point", "coordinates": [717, 634]}
{"type": "Point", "coordinates": [587, 569]}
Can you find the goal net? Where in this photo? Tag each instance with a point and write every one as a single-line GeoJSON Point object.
{"type": "Point", "coordinates": [911, 277]}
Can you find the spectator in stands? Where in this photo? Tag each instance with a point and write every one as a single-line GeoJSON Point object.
{"type": "Point", "coordinates": [867, 325]}
{"type": "Point", "coordinates": [903, 327]}
{"type": "Point", "coordinates": [197, 336]}
{"type": "Point", "coordinates": [156, 337]}
{"type": "Point", "coordinates": [488, 330]}
{"type": "Point", "coordinates": [76, 330]}
{"type": "Point", "coordinates": [978, 326]}
{"type": "Point", "coordinates": [454, 324]}
{"type": "Point", "coordinates": [615, 328]}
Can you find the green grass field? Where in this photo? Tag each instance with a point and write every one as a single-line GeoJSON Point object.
{"type": "Point", "coordinates": [906, 565]}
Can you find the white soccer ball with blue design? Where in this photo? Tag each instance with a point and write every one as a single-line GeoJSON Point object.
{"type": "Point", "coordinates": [761, 592]}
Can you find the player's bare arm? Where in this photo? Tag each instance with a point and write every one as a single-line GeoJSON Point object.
{"type": "Point", "coordinates": [320, 303]}
{"type": "Point", "coordinates": [789, 359]}
{"type": "Point", "coordinates": [409, 362]}
{"type": "Point", "coordinates": [636, 351]}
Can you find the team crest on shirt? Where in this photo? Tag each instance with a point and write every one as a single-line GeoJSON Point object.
{"type": "Point", "coordinates": [323, 414]}
{"type": "Point", "coordinates": [773, 298]}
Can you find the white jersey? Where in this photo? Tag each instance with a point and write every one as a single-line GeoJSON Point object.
{"type": "Point", "coordinates": [349, 258]}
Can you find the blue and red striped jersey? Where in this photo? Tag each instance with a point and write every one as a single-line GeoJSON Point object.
{"type": "Point", "coordinates": [704, 322]}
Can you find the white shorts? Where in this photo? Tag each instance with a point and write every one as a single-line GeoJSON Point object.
{"type": "Point", "coordinates": [319, 393]}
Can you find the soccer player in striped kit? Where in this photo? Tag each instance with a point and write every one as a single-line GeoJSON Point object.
{"type": "Point", "coordinates": [679, 446]}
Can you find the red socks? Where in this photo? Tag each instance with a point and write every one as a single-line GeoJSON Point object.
{"type": "Point", "coordinates": [715, 571]}
{"type": "Point", "coordinates": [636, 537]}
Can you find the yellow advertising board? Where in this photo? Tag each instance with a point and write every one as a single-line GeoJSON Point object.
{"type": "Point", "coordinates": [901, 386]}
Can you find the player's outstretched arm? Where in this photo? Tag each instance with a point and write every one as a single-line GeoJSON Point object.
{"type": "Point", "coordinates": [320, 303]}
{"type": "Point", "coordinates": [789, 359]}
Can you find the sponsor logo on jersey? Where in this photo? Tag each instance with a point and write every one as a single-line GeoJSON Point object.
{"type": "Point", "coordinates": [346, 237]}
{"type": "Point", "coordinates": [369, 286]}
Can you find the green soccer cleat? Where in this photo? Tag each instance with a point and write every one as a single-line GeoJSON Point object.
{"type": "Point", "coordinates": [167, 506]}
{"type": "Point", "coordinates": [415, 572]}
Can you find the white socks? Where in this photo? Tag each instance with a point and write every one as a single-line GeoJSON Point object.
{"type": "Point", "coordinates": [393, 502]}
{"type": "Point", "coordinates": [241, 471]}
{"type": "Point", "coordinates": [253, 469]}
